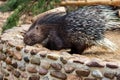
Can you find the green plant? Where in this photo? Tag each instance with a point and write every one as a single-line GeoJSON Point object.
{"type": "Point", "coordinates": [21, 7]}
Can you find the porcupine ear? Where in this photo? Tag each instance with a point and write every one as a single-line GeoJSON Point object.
{"type": "Point", "coordinates": [106, 44]}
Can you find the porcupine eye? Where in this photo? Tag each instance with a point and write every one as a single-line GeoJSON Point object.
{"type": "Point", "coordinates": [37, 28]}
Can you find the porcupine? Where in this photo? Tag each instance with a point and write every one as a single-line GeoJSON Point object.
{"type": "Point", "coordinates": [76, 30]}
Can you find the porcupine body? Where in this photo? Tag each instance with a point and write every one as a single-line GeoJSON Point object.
{"type": "Point", "coordinates": [86, 27]}
{"type": "Point", "coordinates": [82, 28]}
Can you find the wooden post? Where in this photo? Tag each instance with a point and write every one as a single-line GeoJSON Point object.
{"type": "Point", "coordinates": [91, 2]}
{"type": "Point", "coordinates": [119, 13]}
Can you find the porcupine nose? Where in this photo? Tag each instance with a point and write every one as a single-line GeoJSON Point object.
{"type": "Point", "coordinates": [27, 40]}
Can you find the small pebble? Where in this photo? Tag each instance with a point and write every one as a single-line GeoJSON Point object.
{"type": "Point", "coordinates": [8, 60]}
{"type": "Point", "coordinates": [112, 65]}
{"type": "Point", "coordinates": [109, 74]}
{"type": "Point", "coordinates": [52, 57]}
{"type": "Point", "coordinates": [45, 78]}
{"type": "Point", "coordinates": [32, 69]}
{"type": "Point", "coordinates": [69, 69]}
{"type": "Point", "coordinates": [26, 59]}
{"type": "Point", "coordinates": [34, 77]}
{"type": "Point", "coordinates": [18, 55]}
{"type": "Point", "coordinates": [56, 66]}
{"type": "Point", "coordinates": [15, 65]}
{"type": "Point", "coordinates": [1, 77]}
{"type": "Point", "coordinates": [97, 74]}
{"type": "Point", "coordinates": [16, 73]}
{"type": "Point", "coordinates": [43, 71]}
{"type": "Point", "coordinates": [35, 60]}
{"type": "Point", "coordinates": [58, 75]}
{"type": "Point", "coordinates": [34, 52]}
{"type": "Point", "coordinates": [63, 60]}
{"type": "Point", "coordinates": [83, 72]}
{"type": "Point", "coordinates": [2, 56]}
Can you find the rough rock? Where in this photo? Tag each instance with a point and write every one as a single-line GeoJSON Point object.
{"type": "Point", "coordinates": [58, 75]}
{"type": "Point", "coordinates": [69, 69]}
{"type": "Point", "coordinates": [56, 66]}
{"type": "Point", "coordinates": [16, 73]}
{"type": "Point", "coordinates": [83, 72]}
{"type": "Point", "coordinates": [97, 74]}
{"type": "Point", "coordinates": [32, 69]}
{"type": "Point", "coordinates": [35, 60]}
{"type": "Point", "coordinates": [34, 77]}
{"type": "Point", "coordinates": [43, 71]}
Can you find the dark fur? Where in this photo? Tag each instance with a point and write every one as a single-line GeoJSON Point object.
{"type": "Point", "coordinates": [47, 27]}
{"type": "Point", "coordinates": [76, 30]}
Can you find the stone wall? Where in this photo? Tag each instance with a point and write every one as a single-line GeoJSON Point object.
{"type": "Point", "coordinates": [21, 62]}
